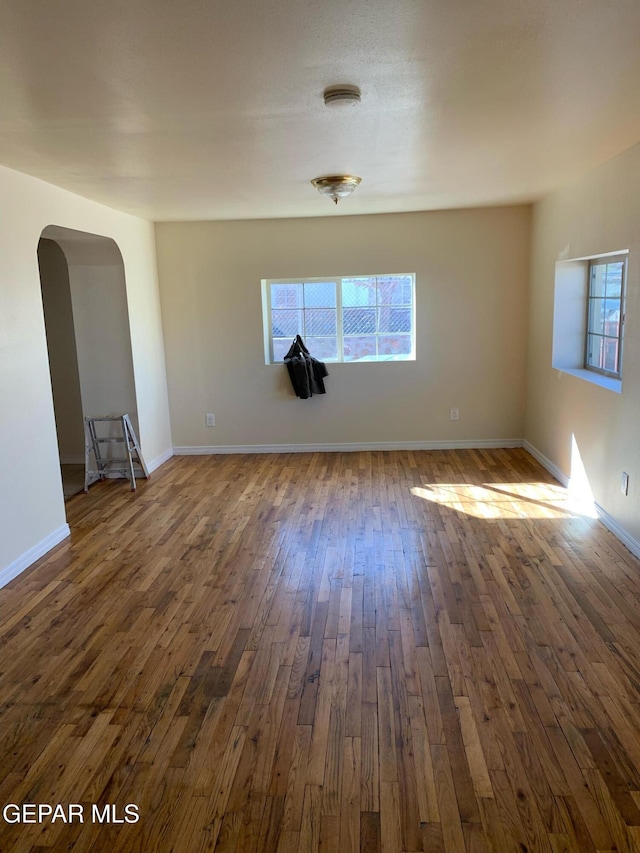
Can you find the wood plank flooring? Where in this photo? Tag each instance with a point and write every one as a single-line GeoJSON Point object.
{"type": "Point", "coordinates": [393, 652]}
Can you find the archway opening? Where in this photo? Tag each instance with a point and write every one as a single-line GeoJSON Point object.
{"type": "Point", "coordinates": [88, 338]}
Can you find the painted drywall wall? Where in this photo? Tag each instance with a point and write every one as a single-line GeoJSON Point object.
{"type": "Point", "coordinates": [61, 347]}
{"type": "Point", "coordinates": [32, 505]}
{"type": "Point", "coordinates": [573, 423]}
{"type": "Point", "coordinates": [88, 334]}
{"type": "Point", "coordinates": [102, 339]}
{"type": "Point", "coordinates": [471, 271]}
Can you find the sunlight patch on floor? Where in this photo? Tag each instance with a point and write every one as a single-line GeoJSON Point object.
{"type": "Point", "coordinates": [502, 500]}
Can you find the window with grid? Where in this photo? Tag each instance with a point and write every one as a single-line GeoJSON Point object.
{"type": "Point", "coordinates": [359, 318]}
{"type": "Point", "coordinates": [605, 315]}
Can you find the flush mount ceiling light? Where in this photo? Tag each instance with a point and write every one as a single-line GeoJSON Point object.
{"type": "Point", "coordinates": [336, 186]}
{"type": "Point", "coordinates": [343, 95]}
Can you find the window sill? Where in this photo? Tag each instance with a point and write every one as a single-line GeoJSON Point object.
{"type": "Point", "coordinates": [607, 382]}
{"type": "Point", "coordinates": [391, 359]}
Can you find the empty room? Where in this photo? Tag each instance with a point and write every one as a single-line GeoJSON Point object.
{"type": "Point", "coordinates": [320, 369]}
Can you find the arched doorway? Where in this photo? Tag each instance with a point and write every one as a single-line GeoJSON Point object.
{"type": "Point", "coordinates": [88, 339]}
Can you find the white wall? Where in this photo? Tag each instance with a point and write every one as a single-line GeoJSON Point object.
{"type": "Point", "coordinates": [102, 339]}
{"type": "Point", "coordinates": [88, 335]}
{"type": "Point", "coordinates": [61, 346]}
{"type": "Point", "coordinates": [32, 508]}
{"type": "Point", "coordinates": [567, 416]}
{"type": "Point", "coordinates": [471, 271]}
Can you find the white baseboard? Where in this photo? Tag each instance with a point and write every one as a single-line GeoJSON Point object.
{"type": "Point", "coordinates": [29, 557]}
{"type": "Point", "coordinates": [209, 450]}
{"type": "Point", "coordinates": [551, 467]}
{"type": "Point", "coordinates": [609, 521]}
{"type": "Point", "coordinates": [618, 531]}
{"type": "Point", "coordinates": [160, 460]}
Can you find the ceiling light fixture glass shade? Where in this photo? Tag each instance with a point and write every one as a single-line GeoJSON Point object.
{"type": "Point", "coordinates": [336, 186]}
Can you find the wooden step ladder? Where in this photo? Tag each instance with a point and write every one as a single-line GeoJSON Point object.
{"type": "Point", "coordinates": [107, 433]}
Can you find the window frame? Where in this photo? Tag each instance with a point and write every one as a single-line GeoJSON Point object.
{"type": "Point", "coordinates": [339, 309]}
{"type": "Point", "coordinates": [605, 260]}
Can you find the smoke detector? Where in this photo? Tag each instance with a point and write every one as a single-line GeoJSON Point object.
{"type": "Point", "coordinates": [343, 95]}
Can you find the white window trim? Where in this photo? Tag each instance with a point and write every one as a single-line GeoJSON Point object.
{"type": "Point", "coordinates": [608, 259]}
{"type": "Point", "coordinates": [337, 280]}
{"type": "Point", "coordinates": [570, 320]}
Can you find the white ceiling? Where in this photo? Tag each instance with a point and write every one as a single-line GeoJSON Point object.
{"type": "Point", "coordinates": [212, 109]}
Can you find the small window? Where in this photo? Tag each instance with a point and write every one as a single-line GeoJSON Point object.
{"type": "Point", "coordinates": [359, 318]}
{"type": "Point", "coordinates": [605, 315]}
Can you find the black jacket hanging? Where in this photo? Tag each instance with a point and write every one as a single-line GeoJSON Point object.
{"type": "Point", "coordinates": [305, 372]}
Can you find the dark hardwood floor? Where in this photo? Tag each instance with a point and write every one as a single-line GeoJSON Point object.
{"type": "Point", "coordinates": [427, 651]}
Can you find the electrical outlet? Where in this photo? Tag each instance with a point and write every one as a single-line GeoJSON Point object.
{"type": "Point", "coordinates": [454, 414]}
{"type": "Point", "coordinates": [211, 420]}
{"type": "Point", "coordinates": [624, 483]}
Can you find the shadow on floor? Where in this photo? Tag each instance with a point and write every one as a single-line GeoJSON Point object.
{"type": "Point", "coordinates": [72, 479]}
